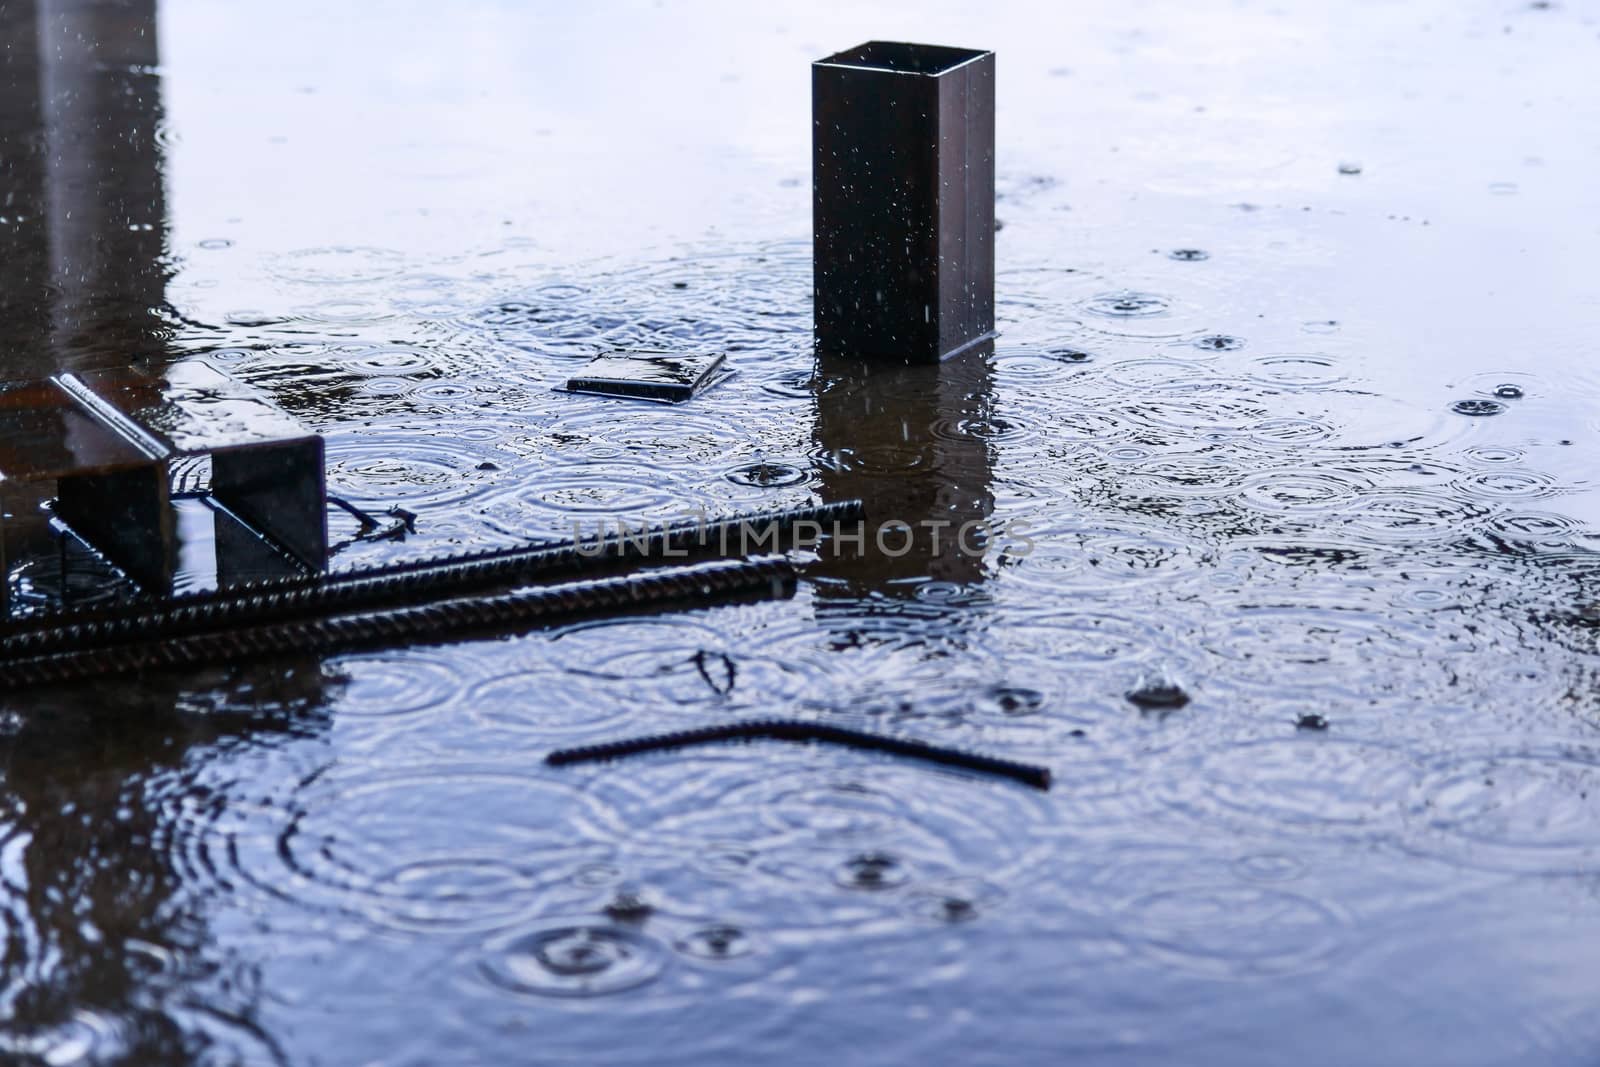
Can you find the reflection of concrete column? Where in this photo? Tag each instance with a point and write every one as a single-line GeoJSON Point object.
{"type": "Point", "coordinates": [100, 105]}
{"type": "Point", "coordinates": [909, 441]}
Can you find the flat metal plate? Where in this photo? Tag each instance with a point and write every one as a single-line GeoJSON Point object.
{"type": "Point", "coordinates": [192, 408]}
{"type": "Point", "coordinates": [667, 376]}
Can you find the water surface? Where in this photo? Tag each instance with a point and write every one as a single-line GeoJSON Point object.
{"type": "Point", "coordinates": [1294, 407]}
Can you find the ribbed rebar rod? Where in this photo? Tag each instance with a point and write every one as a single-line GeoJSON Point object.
{"type": "Point", "coordinates": [406, 582]}
{"type": "Point", "coordinates": [700, 583]}
{"type": "Point", "coordinates": [803, 730]}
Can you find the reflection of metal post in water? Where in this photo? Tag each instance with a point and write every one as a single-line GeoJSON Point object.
{"type": "Point", "coordinates": [100, 102]}
{"type": "Point", "coordinates": [910, 442]}
{"type": "Point", "coordinates": [109, 950]}
{"type": "Point", "coordinates": [24, 229]}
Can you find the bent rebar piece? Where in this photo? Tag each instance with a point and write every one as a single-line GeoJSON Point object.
{"type": "Point", "coordinates": [802, 730]}
{"type": "Point", "coordinates": [399, 583]}
{"type": "Point", "coordinates": [760, 578]}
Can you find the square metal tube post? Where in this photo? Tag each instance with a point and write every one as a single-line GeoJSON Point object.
{"type": "Point", "coordinates": [903, 200]}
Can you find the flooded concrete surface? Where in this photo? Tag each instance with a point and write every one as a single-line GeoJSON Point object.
{"type": "Point", "coordinates": [1293, 411]}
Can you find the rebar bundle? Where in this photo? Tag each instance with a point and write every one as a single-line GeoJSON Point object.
{"type": "Point", "coordinates": [410, 582]}
{"type": "Point", "coordinates": [693, 584]}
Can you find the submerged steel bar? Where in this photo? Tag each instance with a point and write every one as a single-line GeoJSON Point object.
{"type": "Point", "coordinates": [410, 581]}
{"type": "Point", "coordinates": [803, 730]}
{"type": "Point", "coordinates": [903, 200]}
{"type": "Point", "coordinates": [769, 576]}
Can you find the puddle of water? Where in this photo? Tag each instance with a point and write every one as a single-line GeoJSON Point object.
{"type": "Point", "coordinates": [1292, 409]}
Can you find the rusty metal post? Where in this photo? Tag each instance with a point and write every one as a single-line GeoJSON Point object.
{"type": "Point", "coordinates": [903, 200]}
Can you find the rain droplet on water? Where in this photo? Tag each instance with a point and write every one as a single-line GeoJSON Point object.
{"type": "Point", "coordinates": [581, 960]}
{"type": "Point", "coordinates": [720, 942]}
{"type": "Point", "coordinates": [767, 475]}
{"type": "Point", "coordinates": [872, 870]}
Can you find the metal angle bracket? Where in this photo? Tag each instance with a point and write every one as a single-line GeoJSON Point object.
{"type": "Point", "coordinates": [108, 438]}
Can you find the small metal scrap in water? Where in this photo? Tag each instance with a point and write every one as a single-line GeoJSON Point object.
{"type": "Point", "coordinates": [1159, 695]}
{"type": "Point", "coordinates": [628, 906]}
{"type": "Point", "coordinates": [668, 377]}
{"type": "Point", "coordinates": [802, 730]}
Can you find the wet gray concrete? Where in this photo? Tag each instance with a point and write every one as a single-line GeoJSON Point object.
{"type": "Point", "coordinates": [1292, 407]}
